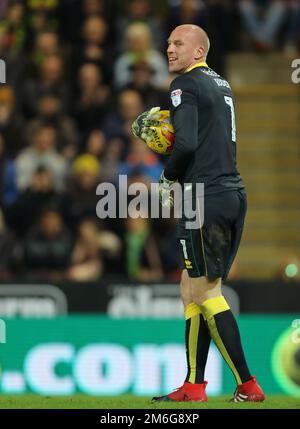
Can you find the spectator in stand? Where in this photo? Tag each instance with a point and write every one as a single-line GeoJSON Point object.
{"type": "Point", "coordinates": [263, 21]}
{"type": "Point", "coordinates": [9, 250]}
{"type": "Point", "coordinates": [103, 8]}
{"type": "Point", "coordinates": [96, 251]}
{"type": "Point", "coordinates": [74, 12]}
{"type": "Point", "coordinates": [80, 199]}
{"type": "Point", "coordinates": [12, 41]}
{"type": "Point", "coordinates": [87, 263]}
{"type": "Point", "coordinates": [11, 123]}
{"type": "Point", "coordinates": [143, 261]}
{"type": "Point", "coordinates": [141, 76]}
{"type": "Point", "coordinates": [12, 28]}
{"type": "Point", "coordinates": [139, 47]}
{"type": "Point", "coordinates": [48, 247]}
{"type": "Point", "coordinates": [92, 101]}
{"type": "Point", "coordinates": [118, 123]}
{"type": "Point", "coordinates": [94, 47]}
{"type": "Point", "coordinates": [50, 111]}
{"type": "Point", "coordinates": [46, 44]}
{"type": "Point", "coordinates": [96, 144]}
{"type": "Point", "coordinates": [41, 15]}
{"type": "Point", "coordinates": [187, 11]}
{"type": "Point", "coordinates": [222, 26]}
{"type": "Point", "coordinates": [31, 201]}
{"type": "Point", "coordinates": [111, 247]}
{"type": "Point", "coordinates": [110, 163]}
{"type": "Point", "coordinates": [95, 7]}
{"type": "Point", "coordinates": [41, 152]}
{"type": "Point", "coordinates": [8, 185]}
{"type": "Point", "coordinates": [141, 158]}
{"type": "Point", "coordinates": [50, 81]}
{"type": "Point", "coordinates": [137, 11]}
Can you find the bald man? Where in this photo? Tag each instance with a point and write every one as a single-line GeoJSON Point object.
{"type": "Point", "coordinates": [202, 113]}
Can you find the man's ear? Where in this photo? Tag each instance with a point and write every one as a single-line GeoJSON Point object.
{"type": "Point", "coordinates": [199, 53]}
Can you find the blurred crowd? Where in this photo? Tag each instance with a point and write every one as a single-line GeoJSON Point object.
{"type": "Point", "coordinates": [78, 73]}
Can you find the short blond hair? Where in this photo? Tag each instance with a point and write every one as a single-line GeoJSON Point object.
{"type": "Point", "coordinates": [139, 30]}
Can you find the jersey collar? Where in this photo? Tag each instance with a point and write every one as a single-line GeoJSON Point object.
{"type": "Point", "coordinates": [203, 64]}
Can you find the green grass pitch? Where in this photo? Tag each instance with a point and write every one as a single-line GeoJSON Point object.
{"type": "Point", "coordinates": [133, 402]}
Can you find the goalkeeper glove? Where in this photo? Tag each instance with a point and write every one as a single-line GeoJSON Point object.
{"type": "Point", "coordinates": [165, 188]}
{"type": "Point", "coordinates": [140, 127]}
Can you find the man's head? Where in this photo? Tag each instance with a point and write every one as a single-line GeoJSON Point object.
{"type": "Point", "coordinates": [49, 106]}
{"type": "Point", "coordinates": [93, 7]}
{"type": "Point", "coordinates": [138, 37]}
{"type": "Point", "coordinates": [86, 169]}
{"type": "Point", "coordinates": [47, 43]}
{"type": "Point", "coordinates": [130, 104]}
{"type": "Point", "coordinates": [94, 30]}
{"type": "Point", "coordinates": [52, 69]}
{"type": "Point", "coordinates": [142, 74]}
{"type": "Point", "coordinates": [42, 180]}
{"type": "Point", "coordinates": [89, 77]}
{"type": "Point", "coordinates": [44, 138]}
{"type": "Point", "coordinates": [187, 45]}
{"type": "Point", "coordinates": [51, 222]}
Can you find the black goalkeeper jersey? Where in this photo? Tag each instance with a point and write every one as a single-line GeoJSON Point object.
{"type": "Point", "coordinates": [202, 113]}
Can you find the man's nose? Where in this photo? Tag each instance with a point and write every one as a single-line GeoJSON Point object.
{"type": "Point", "coordinates": [170, 48]}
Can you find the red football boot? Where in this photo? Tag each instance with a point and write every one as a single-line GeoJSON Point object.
{"type": "Point", "coordinates": [248, 392]}
{"type": "Point", "coordinates": [188, 392]}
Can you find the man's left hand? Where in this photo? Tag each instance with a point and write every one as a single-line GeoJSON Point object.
{"type": "Point", "coordinates": [165, 188]}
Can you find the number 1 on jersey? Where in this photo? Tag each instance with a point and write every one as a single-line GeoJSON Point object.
{"type": "Point", "coordinates": [229, 101]}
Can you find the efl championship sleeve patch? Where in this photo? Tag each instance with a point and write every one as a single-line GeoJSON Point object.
{"type": "Point", "coordinates": [176, 97]}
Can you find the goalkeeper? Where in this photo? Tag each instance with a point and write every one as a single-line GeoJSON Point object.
{"type": "Point", "coordinates": [202, 114]}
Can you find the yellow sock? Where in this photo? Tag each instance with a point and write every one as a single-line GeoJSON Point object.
{"type": "Point", "coordinates": [213, 306]}
{"type": "Point", "coordinates": [197, 340]}
{"type": "Point", "coordinates": [224, 332]}
{"type": "Point", "coordinates": [191, 310]}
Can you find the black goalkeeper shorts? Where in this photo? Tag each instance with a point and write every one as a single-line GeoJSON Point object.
{"type": "Point", "coordinates": [210, 250]}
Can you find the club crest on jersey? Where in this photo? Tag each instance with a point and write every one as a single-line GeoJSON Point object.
{"type": "Point", "coordinates": [176, 97]}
